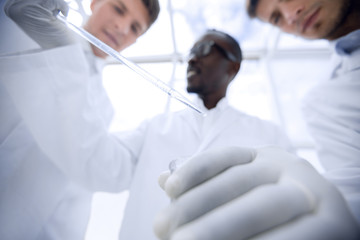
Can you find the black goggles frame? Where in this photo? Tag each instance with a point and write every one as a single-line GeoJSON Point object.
{"type": "Point", "coordinates": [203, 49]}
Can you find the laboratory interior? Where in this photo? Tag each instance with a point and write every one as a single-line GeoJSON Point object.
{"type": "Point", "coordinates": [277, 71]}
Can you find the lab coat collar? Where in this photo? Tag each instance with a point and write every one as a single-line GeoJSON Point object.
{"type": "Point", "coordinates": [193, 118]}
{"type": "Point", "coordinates": [222, 117]}
{"type": "Point", "coordinates": [347, 44]}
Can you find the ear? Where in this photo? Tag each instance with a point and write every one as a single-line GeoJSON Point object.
{"type": "Point", "coordinates": [234, 69]}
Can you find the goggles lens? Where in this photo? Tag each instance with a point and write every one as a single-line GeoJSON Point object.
{"type": "Point", "coordinates": [203, 49]}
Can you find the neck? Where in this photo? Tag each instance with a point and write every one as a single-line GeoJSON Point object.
{"type": "Point", "coordinates": [98, 52]}
{"type": "Point", "coordinates": [210, 102]}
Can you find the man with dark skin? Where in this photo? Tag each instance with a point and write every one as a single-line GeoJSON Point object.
{"type": "Point", "coordinates": [213, 63]}
{"type": "Point", "coordinates": [203, 79]}
{"type": "Point", "coordinates": [290, 200]}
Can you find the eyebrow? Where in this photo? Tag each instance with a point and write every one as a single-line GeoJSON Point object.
{"type": "Point", "coordinates": [137, 24]}
{"type": "Point", "coordinates": [251, 9]}
{"type": "Point", "coordinates": [122, 5]}
{"type": "Point", "coordinates": [274, 14]}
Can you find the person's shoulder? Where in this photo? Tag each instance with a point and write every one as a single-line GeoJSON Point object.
{"type": "Point", "coordinates": [252, 119]}
{"type": "Point", "coordinates": [244, 115]}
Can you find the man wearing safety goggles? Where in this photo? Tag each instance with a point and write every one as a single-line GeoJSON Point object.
{"type": "Point", "coordinates": [213, 63]}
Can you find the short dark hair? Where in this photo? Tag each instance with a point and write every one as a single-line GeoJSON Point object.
{"type": "Point", "coordinates": [153, 8]}
{"type": "Point", "coordinates": [235, 44]}
{"type": "Point", "coordinates": [251, 8]}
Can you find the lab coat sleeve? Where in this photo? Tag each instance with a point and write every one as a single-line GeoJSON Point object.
{"type": "Point", "coordinates": [332, 111]}
{"type": "Point", "coordinates": [134, 139]}
{"type": "Point", "coordinates": [50, 91]}
{"type": "Point", "coordinates": [36, 18]}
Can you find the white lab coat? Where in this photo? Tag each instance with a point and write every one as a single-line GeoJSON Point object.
{"type": "Point", "coordinates": [65, 113]}
{"type": "Point", "coordinates": [55, 149]}
{"type": "Point", "coordinates": [182, 134]}
{"type": "Point", "coordinates": [332, 110]}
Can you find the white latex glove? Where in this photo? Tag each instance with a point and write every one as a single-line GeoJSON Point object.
{"type": "Point", "coordinates": [238, 193]}
{"type": "Point", "coordinates": [37, 18]}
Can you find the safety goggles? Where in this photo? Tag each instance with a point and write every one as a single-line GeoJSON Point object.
{"type": "Point", "coordinates": [203, 49]}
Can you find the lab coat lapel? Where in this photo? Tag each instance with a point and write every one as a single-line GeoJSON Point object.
{"type": "Point", "coordinates": [225, 120]}
{"type": "Point", "coordinates": [227, 117]}
{"type": "Point", "coordinates": [190, 117]}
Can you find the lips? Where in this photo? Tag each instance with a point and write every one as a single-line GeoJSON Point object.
{"type": "Point", "coordinates": [310, 19]}
{"type": "Point", "coordinates": [192, 71]}
{"type": "Point", "coordinates": [112, 39]}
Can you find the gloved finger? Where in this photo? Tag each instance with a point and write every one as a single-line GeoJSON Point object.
{"type": "Point", "coordinates": [305, 227]}
{"type": "Point", "coordinates": [261, 209]}
{"type": "Point", "coordinates": [64, 8]}
{"type": "Point", "coordinates": [310, 227]}
{"type": "Point", "coordinates": [227, 186]}
{"type": "Point", "coordinates": [323, 224]}
{"type": "Point", "coordinates": [163, 178]}
{"type": "Point", "coordinates": [60, 6]}
{"type": "Point", "coordinates": [55, 6]}
{"type": "Point", "coordinates": [331, 219]}
{"type": "Point", "coordinates": [204, 166]}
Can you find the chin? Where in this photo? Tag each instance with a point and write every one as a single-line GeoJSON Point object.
{"type": "Point", "coordinates": [98, 52]}
{"type": "Point", "coordinates": [189, 89]}
{"type": "Point", "coordinates": [192, 90]}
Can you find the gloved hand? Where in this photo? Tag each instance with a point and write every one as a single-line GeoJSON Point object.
{"type": "Point", "coordinates": [37, 18]}
{"type": "Point", "coordinates": [237, 193]}
{"type": "Point", "coordinates": [51, 7]}
{"type": "Point", "coordinates": [55, 6]}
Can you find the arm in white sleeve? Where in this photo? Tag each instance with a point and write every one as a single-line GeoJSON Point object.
{"type": "Point", "coordinates": [53, 94]}
{"type": "Point", "coordinates": [332, 111]}
{"type": "Point", "coordinates": [134, 139]}
{"type": "Point", "coordinates": [37, 18]}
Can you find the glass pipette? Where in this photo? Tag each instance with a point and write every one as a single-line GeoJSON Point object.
{"type": "Point", "coordinates": [110, 51]}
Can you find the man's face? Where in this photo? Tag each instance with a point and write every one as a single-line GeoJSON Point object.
{"type": "Point", "coordinates": [209, 74]}
{"type": "Point", "coordinates": [118, 23]}
{"type": "Point", "coordinates": [312, 19]}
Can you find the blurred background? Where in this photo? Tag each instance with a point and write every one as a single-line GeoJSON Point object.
{"type": "Point", "coordinates": [277, 71]}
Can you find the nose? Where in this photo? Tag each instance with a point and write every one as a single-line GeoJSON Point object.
{"type": "Point", "coordinates": [292, 11]}
{"type": "Point", "coordinates": [123, 26]}
{"type": "Point", "coordinates": [191, 58]}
